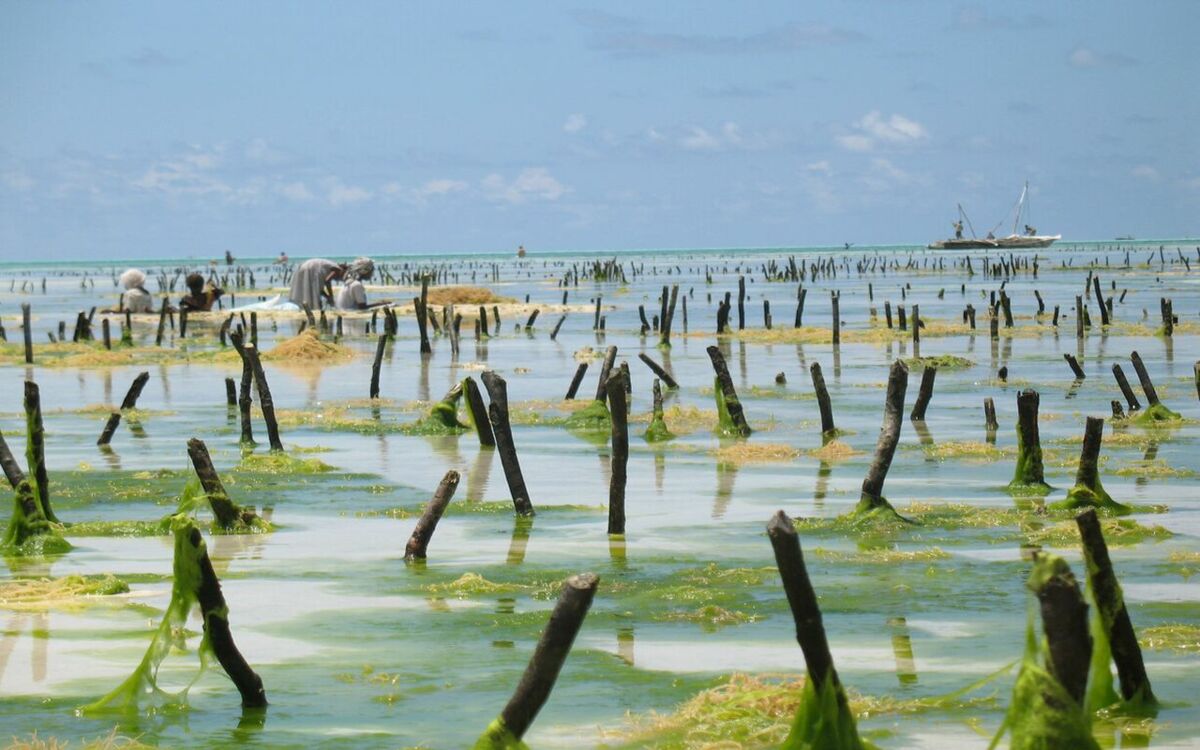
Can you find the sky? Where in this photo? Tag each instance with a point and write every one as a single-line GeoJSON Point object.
{"type": "Point", "coordinates": [152, 130]}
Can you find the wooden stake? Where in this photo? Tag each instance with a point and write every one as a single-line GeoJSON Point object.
{"type": "Point", "coordinates": [227, 514]}
{"type": "Point", "coordinates": [1064, 620]}
{"type": "Point", "coordinates": [265, 402]}
{"type": "Point", "coordinates": [498, 415]}
{"type": "Point", "coordinates": [418, 543]}
{"type": "Point", "coordinates": [1126, 390]}
{"type": "Point", "coordinates": [658, 370]}
{"type": "Point", "coordinates": [479, 413]}
{"type": "Point", "coordinates": [377, 364]}
{"type": "Point", "coordinates": [889, 436]}
{"type": "Point", "coordinates": [823, 402]}
{"type": "Point", "coordinates": [575, 381]}
{"type": "Point", "coordinates": [130, 402]}
{"type": "Point", "coordinates": [1144, 377]}
{"type": "Point", "coordinates": [725, 383]}
{"type": "Point", "coordinates": [925, 394]}
{"type": "Point", "coordinates": [620, 453]}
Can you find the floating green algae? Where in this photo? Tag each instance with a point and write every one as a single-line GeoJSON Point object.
{"type": "Point", "coordinates": [941, 362]}
{"type": "Point", "coordinates": [281, 463]}
{"type": "Point", "coordinates": [1180, 638]}
{"type": "Point", "coordinates": [43, 593]}
{"type": "Point", "coordinates": [29, 534]}
{"type": "Point", "coordinates": [1083, 496]}
{"type": "Point", "coordinates": [142, 685]}
{"type": "Point", "coordinates": [595, 417]}
{"type": "Point", "coordinates": [497, 737]}
{"type": "Point", "coordinates": [442, 418]}
{"type": "Point", "coordinates": [823, 720]}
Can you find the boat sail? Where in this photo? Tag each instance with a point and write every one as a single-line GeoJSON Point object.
{"type": "Point", "coordinates": [1027, 239]}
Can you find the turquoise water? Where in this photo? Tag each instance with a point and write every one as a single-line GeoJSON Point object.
{"type": "Point", "coordinates": [358, 649]}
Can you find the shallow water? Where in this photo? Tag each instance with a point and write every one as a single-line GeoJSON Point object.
{"type": "Point", "coordinates": [358, 649]}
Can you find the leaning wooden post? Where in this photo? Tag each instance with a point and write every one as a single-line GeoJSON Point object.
{"type": "Point", "coordinates": [216, 628]}
{"type": "Point", "coordinates": [230, 392]}
{"type": "Point", "coordinates": [548, 657]}
{"type": "Point", "coordinates": [658, 370]}
{"type": "Point", "coordinates": [418, 543]}
{"type": "Point", "coordinates": [810, 631]}
{"type": "Point", "coordinates": [227, 513]}
{"type": "Point", "coordinates": [244, 398]}
{"type": "Point", "coordinates": [1126, 390]}
{"type": "Point", "coordinates": [1144, 376]}
{"type": "Point", "coordinates": [497, 390]}
{"type": "Point", "coordinates": [889, 436]}
{"type": "Point", "coordinates": [12, 470]}
{"type": "Point", "coordinates": [27, 333]}
{"type": "Point", "coordinates": [823, 402]}
{"type": "Point", "coordinates": [576, 380]}
{"type": "Point", "coordinates": [610, 357]}
{"type": "Point", "coordinates": [265, 402]}
{"type": "Point", "coordinates": [162, 322]}
{"type": "Point", "coordinates": [35, 448]}
{"type": "Point", "coordinates": [1106, 594]}
{"type": "Point", "coordinates": [378, 363]}
{"type": "Point", "coordinates": [1064, 620]}
{"type": "Point", "coordinates": [479, 413]}
{"type": "Point", "coordinates": [925, 394]}
{"type": "Point", "coordinates": [130, 402]}
{"type": "Point", "coordinates": [1074, 364]}
{"type": "Point", "coordinates": [732, 419]}
{"type": "Point", "coordinates": [620, 453]}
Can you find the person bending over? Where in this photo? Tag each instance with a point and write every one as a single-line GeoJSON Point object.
{"type": "Point", "coordinates": [201, 295]}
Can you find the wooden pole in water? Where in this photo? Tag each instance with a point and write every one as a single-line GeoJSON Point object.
{"type": "Point", "coordinates": [823, 403]}
{"type": "Point", "coordinates": [620, 453]}
{"type": "Point", "coordinates": [925, 394]}
{"type": "Point", "coordinates": [575, 381]}
{"type": "Point", "coordinates": [230, 392]}
{"type": "Point", "coordinates": [658, 370]}
{"type": "Point", "coordinates": [810, 631]}
{"type": "Point", "coordinates": [130, 402]}
{"type": "Point", "coordinates": [551, 652]}
{"type": "Point", "coordinates": [12, 469]}
{"type": "Point", "coordinates": [1126, 390]}
{"type": "Point", "coordinates": [216, 627]}
{"type": "Point", "coordinates": [162, 322]}
{"type": "Point", "coordinates": [1074, 363]}
{"type": "Point", "coordinates": [558, 325]}
{"type": "Point", "coordinates": [1106, 593]}
{"type": "Point", "coordinates": [226, 513]}
{"type": "Point", "coordinates": [418, 543]}
{"type": "Point", "coordinates": [27, 332]}
{"type": "Point", "coordinates": [610, 357]}
{"type": "Point", "coordinates": [889, 435]}
{"type": "Point", "coordinates": [379, 349]}
{"type": "Point", "coordinates": [741, 302]}
{"type": "Point", "coordinates": [497, 390]}
{"type": "Point", "coordinates": [1064, 620]}
{"type": "Point", "coordinates": [244, 398]}
{"type": "Point", "coordinates": [989, 415]}
{"type": "Point", "coordinates": [834, 300]}
{"type": "Point", "coordinates": [725, 383]}
{"type": "Point", "coordinates": [916, 326]}
{"type": "Point", "coordinates": [265, 402]}
{"type": "Point", "coordinates": [1144, 376]}
{"type": "Point", "coordinates": [479, 413]}
{"type": "Point", "coordinates": [106, 333]}
{"type": "Point", "coordinates": [36, 450]}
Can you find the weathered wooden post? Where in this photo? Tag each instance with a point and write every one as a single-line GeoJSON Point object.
{"type": "Point", "coordinates": [576, 380]}
{"type": "Point", "coordinates": [497, 390]}
{"type": "Point", "coordinates": [925, 394]}
{"type": "Point", "coordinates": [620, 453]}
{"type": "Point", "coordinates": [823, 402]}
{"type": "Point", "coordinates": [418, 543]}
{"type": "Point", "coordinates": [35, 449]}
{"type": "Point", "coordinates": [380, 346]}
{"type": "Point", "coordinates": [1030, 472]}
{"type": "Point", "coordinates": [732, 419]}
{"type": "Point", "coordinates": [889, 436]}
{"type": "Point", "coordinates": [265, 402]}
{"type": "Point", "coordinates": [27, 333]}
{"type": "Point", "coordinates": [130, 402]}
{"type": "Point", "coordinates": [658, 370]}
{"type": "Point", "coordinates": [226, 513]}
{"type": "Point", "coordinates": [1126, 390]}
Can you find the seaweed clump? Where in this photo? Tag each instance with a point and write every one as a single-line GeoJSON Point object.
{"type": "Point", "coordinates": [1088, 492]}
{"type": "Point", "coordinates": [29, 533]}
{"type": "Point", "coordinates": [442, 419]}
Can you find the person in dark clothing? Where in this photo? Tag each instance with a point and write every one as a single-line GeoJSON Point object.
{"type": "Point", "coordinates": [201, 296]}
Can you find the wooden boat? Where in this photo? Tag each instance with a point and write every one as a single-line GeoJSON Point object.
{"type": "Point", "coordinates": [1014, 241]}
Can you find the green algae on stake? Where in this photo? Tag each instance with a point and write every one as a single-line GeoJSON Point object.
{"type": "Point", "coordinates": [1048, 709]}
{"type": "Point", "coordinates": [30, 533]}
{"type": "Point", "coordinates": [194, 583]}
{"type": "Point", "coordinates": [443, 416]}
{"type": "Point", "coordinates": [731, 420]}
{"type": "Point", "coordinates": [1029, 476]}
{"type": "Point", "coordinates": [1088, 491]}
{"type": "Point", "coordinates": [823, 720]}
{"type": "Point", "coordinates": [595, 416]}
{"type": "Point", "coordinates": [657, 431]}
{"type": "Point", "coordinates": [872, 506]}
{"type": "Point", "coordinates": [1156, 411]}
{"type": "Point", "coordinates": [35, 449]}
{"type": "Point", "coordinates": [509, 727]}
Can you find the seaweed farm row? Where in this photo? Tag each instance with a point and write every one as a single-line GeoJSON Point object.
{"type": "Point", "coordinates": [742, 499]}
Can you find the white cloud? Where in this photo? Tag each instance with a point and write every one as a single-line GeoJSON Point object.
{"type": "Point", "coordinates": [1145, 172]}
{"type": "Point", "coordinates": [873, 128]}
{"type": "Point", "coordinates": [187, 174]}
{"type": "Point", "coordinates": [728, 136]}
{"type": "Point", "coordinates": [340, 194]}
{"type": "Point", "coordinates": [699, 139]}
{"type": "Point", "coordinates": [419, 196]}
{"type": "Point", "coordinates": [296, 191]}
{"type": "Point", "coordinates": [17, 180]}
{"type": "Point", "coordinates": [442, 187]}
{"type": "Point", "coordinates": [1082, 57]}
{"type": "Point", "coordinates": [820, 167]}
{"type": "Point", "coordinates": [574, 123]}
{"type": "Point", "coordinates": [533, 183]}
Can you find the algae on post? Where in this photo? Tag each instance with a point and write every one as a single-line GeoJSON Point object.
{"type": "Point", "coordinates": [595, 417]}
{"type": "Point", "coordinates": [497, 737]}
{"type": "Point", "coordinates": [1155, 413]}
{"type": "Point", "coordinates": [142, 684]}
{"type": "Point", "coordinates": [823, 720]}
{"type": "Point", "coordinates": [442, 419]}
{"type": "Point", "coordinates": [29, 534]}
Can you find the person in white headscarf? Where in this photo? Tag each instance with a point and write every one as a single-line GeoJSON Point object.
{"type": "Point", "coordinates": [353, 295]}
{"type": "Point", "coordinates": [135, 299]}
{"type": "Point", "coordinates": [313, 281]}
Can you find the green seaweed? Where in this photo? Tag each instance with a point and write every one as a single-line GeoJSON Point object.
{"type": "Point", "coordinates": [725, 425]}
{"type": "Point", "coordinates": [497, 737]}
{"type": "Point", "coordinates": [1029, 476]}
{"type": "Point", "coordinates": [657, 431]}
{"type": "Point", "coordinates": [941, 362]}
{"type": "Point", "coordinates": [442, 418]}
{"type": "Point", "coordinates": [142, 684]}
{"type": "Point", "coordinates": [823, 721]}
{"type": "Point", "coordinates": [1082, 496]}
{"type": "Point", "coordinates": [29, 533]}
{"type": "Point", "coordinates": [1156, 413]}
{"type": "Point", "coordinates": [594, 417]}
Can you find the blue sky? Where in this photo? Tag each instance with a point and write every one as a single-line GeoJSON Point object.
{"type": "Point", "coordinates": [183, 129]}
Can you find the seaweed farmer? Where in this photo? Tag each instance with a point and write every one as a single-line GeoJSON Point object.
{"type": "Point", "coordinates": [353, 295]}
{"type": "Point", "coordinates": [228, 258]}
{"type": "Point", "coordinates": [135, 299]}
{"type": "Point", "coordinates": [958, 230]}
{"type": "Point", "coordinates": [282, 259]}
{"type": "Point", "coordinates": [312, 282]}
{"type": "Point", "coordinates": [202, 295]}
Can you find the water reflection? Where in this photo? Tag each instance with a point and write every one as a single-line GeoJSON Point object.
{"type": "Point", "coordinates": [522, 527]}
{"type": "Point", "coordinates": [477, 475]}
{"type": "Point", "coordinates": [625, 644]}
{"type": "Point", "coordinates": [726, 474]}
{"type": "Point", "coordinates": [906, 668]}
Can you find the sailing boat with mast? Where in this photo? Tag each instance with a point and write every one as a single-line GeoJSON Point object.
{"type": "Point", "coordinates": [1027, 239]}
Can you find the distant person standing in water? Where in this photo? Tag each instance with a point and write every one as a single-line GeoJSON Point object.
{"type": "Point", "coordinates": [313, 281]}
{"type": "Point", "coordinates": [282, 259]}
{"type": "Point", "coordinates": [202, 296]}
{"type": "Point", "coordinates": [135, 299]}
{"type": "Point", "coordinates": [228, 258]}
{"type": "Point", "coordinates": [521, 251]}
